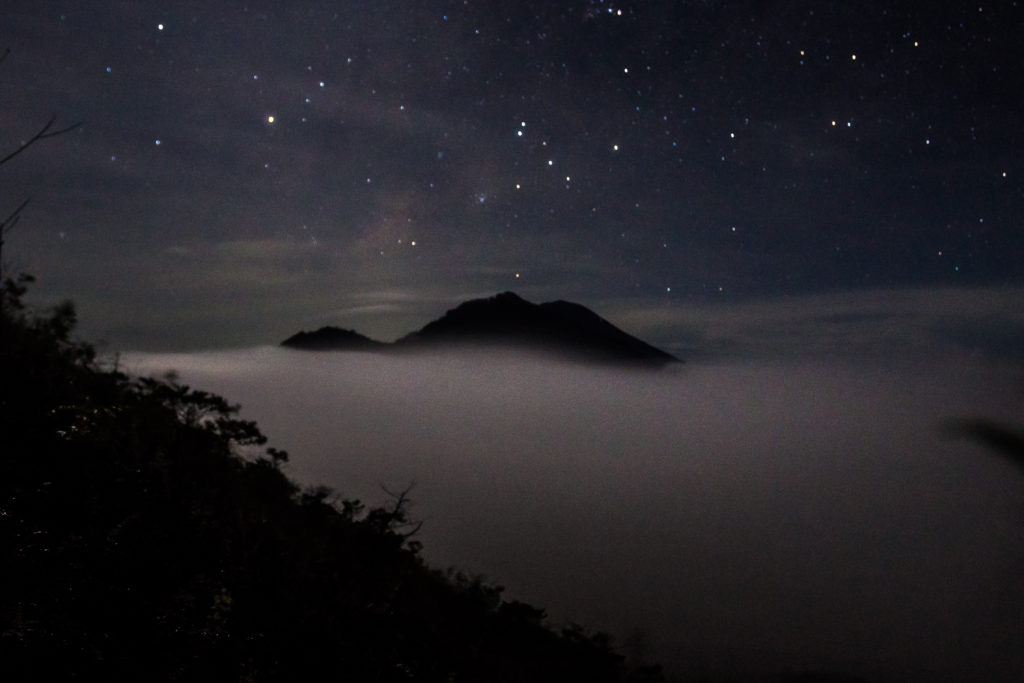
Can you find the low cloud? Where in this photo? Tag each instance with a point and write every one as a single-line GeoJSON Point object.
{"type": "Point", "coordinates": [740, 517]}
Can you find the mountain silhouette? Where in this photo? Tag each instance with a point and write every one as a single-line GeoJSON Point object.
{"type": "Point", "coordinates": [506, 320]}
{"type": "Point", "coordinates": [332, 338]}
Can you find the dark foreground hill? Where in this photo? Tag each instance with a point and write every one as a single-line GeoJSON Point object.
{"type": "Point", "coordinates": [147, 534]}
{"type": "Point", "coordinates": [559, 327]}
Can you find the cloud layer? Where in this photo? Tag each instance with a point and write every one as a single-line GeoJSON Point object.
{"type": "Point", "coordinates": [735, 517]}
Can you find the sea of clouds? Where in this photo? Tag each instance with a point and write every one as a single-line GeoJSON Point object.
{"type": "Point", "coordinates": [725, 517]}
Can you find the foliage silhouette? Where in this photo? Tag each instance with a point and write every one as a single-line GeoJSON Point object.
{"type": "Point", "coordinates": [147, 533]}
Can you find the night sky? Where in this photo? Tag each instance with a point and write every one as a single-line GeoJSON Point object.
{"type": "Point", "coordinates": [244, 170]}
{"type": "Point", "coordinates": [816, 204]}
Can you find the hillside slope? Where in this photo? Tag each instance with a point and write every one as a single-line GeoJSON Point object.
{"type": "Point", "coordinates": [147, 534]}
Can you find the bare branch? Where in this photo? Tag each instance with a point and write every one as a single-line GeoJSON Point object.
{"type": "Point", "coordinates": [402, 497]}
{"type": "Point", "coordinates": [5, 227]}
{"type": "Point", "coordinates": [43, 133]}
{"type": "Point", "coordinates": [396, 518]}
{"type": "Point", "coordinates": [8, 223]}
{"type": "Point", "coordinates": [61, 131]}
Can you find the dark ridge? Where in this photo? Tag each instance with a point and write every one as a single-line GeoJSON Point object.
{"type": "Point", "coordinates": [559, 327]}
{"type": "Point", "coordinates": [506, 320]}
{"type": "Point", "coordinates": [332, 339]}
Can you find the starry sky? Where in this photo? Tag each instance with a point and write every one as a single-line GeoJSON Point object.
{"type": "Point", "coordinates": [247, 169]}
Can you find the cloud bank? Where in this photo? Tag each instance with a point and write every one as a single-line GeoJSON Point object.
{"type": "Point", "coordinates": [726, 518]}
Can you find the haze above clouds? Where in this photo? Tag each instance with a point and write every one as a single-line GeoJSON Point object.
{"type": "Point", "coordinates": [727, 517]}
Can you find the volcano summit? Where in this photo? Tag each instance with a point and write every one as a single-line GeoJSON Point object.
{"type": "Point", "coordinates": [506, 320]}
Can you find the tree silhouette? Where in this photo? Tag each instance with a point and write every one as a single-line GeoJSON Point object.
{"type": "Point", "coordinates": [146, 532]}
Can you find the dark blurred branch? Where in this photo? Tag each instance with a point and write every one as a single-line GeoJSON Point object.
{"type": "Point", "coordinates": [1005, 440]}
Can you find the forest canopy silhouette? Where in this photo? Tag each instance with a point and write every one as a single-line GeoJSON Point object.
{"type": "Point", "coordinates": [148, 532]}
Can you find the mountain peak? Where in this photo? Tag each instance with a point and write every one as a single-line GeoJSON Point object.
{"type": "Point", "coordinates": [506, 320]}
{"type": "Point", "coordinates": [332, 338]}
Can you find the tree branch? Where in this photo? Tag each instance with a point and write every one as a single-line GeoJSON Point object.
{"type": "Point", "coordinates": [8, 223]}
{"type": "Point", "coordinates": [43, 133]}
